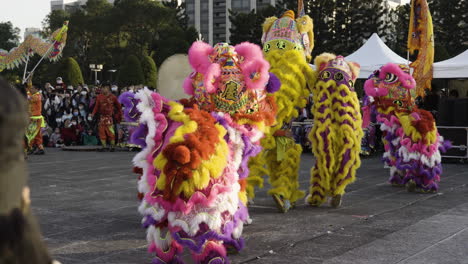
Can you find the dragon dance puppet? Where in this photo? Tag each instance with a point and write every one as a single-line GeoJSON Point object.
{"type": "Point", "coordinates": [287, 45]}
{"type": "Point", "coordinates": [50, 49]}
{"type": "Point", "coordinates": [336, 134]}
{"type": "Point", "coordinates": [412, 143]}
{"type": "Point", "coordinates": [195, 152]}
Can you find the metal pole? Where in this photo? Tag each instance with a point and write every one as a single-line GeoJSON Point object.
{"type": "Point", "coordinates": [25, 69]}
{"type": "Point", "coordinates": [95, 77]}
{"type": "Point", "coordinates": [45, 54]}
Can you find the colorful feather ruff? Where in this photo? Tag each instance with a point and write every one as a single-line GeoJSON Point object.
{"type": "Point", "coordinates": [195, 155]}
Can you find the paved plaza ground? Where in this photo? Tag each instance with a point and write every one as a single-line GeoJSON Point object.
{"type": "Point", "coordinates": [87, 206]}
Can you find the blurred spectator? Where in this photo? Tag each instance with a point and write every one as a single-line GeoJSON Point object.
{"type": "Point", "coordinates": [55, 139]}
{"type": "Point", "coordinates": [453, 94]}
{"type": "Point", "coordinates": [89, 139]}
{"type": "Point", "coordinates": [59, 86]}
{"type": "Point", "coordinates": [70, 132]}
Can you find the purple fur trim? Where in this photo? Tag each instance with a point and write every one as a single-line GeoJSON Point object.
{"type": "Point", "coordinates": [138, 136]}
{"type": "Point", "coordinates": [149, 220]}
{"type": "Point", "coordinates": [274, 84]}
{"type": "Point", "coordinates": [131, 113]}
{"type": "Point", "coordinates": [446, 145]}
{"type": "Point", "coordinates": [250, 150]}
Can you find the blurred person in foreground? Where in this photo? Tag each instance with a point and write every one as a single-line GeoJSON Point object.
{"type": "Point", "coordinates": [109, 110]}
{"type": "Point", "coordinates": [20, 239]}
{"type": "Point", "coordinates": [36, 120]}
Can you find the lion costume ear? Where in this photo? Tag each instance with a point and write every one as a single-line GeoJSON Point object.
{"type": "Point", "coordinates": [198, 56]}
{"type": "Point", "coordinates": [322, 60]}
{"type": "Point", "coordinates": [305, 25]}
{"type": "Point", "coordinates": [355, 69]}
{"type": "Point", "coordinates": [267, 25]}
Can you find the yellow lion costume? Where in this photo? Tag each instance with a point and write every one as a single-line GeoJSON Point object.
{"type": "Point", "coordinates": [287, 46]}
{"type": "Point", "coordinates": [337, 133]}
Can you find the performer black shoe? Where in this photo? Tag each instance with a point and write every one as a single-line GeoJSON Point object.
{"type": "Point", "coordinates": [39, 152]}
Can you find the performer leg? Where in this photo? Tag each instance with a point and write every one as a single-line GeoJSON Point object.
{"type": "Point", "coordinates": [284, 176]}
{"type": "Point", "coordinates": [37, 142]}
{"type": "Point", "coordinates": [102, 134]}
{"type": "Point", "coordinates": [110, 132]}
{"type": "Point", "coordinates": [258, 168]}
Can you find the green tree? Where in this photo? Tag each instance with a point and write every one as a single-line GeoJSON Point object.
{"type": "Point", "coordinates": [72, 72]}
{"type": "Point", "coordinates": [131, 72]}
{"type": "Point", "coordinates": [9, 36]}
{"type": "Point", "coordinates": [150, 71]}
{"type": "Point", "coordinates": [248, 26]}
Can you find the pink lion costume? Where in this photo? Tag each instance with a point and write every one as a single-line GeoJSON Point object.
{"type": "Point", "coordinates": [194, 156]}
{"type": "Point", "coordinates": [412, 143]}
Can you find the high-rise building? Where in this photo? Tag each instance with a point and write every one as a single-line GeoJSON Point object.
{"type": "Point", "coordinates": [36, 32]}
{"type": "Point", "coordinates": [69, 5]}
{"type": "Point", "coordinates": [211, 17]}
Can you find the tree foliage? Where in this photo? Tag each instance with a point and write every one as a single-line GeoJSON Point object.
{"type": "Point", "coordinates": [248, 26]}
{"type": "Point", "coordinates": [150, 71]}
{"type": "Point", "coordinates": [107, 34]}
{"type": "Point", "coordinates": [342, 26]}
{"type": "Point", "coordinates": [131, 72]}
{"type": "Point", "coordinates": [72, 72]}
{"type": "Point", "coordinates": [9, 36]}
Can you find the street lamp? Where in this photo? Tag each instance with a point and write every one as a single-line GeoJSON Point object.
{"type": "Point", "coordinates": [112, 72]}
{"type": "Point", "coordinates": [95, 68]}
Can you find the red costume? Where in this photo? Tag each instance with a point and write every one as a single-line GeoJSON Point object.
{"type": "Point", "coordinates": [36, 121]}
{"type": "Point", "coordinates": [108, 108]}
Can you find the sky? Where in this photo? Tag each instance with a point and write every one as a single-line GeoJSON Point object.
{"type": "Point", "coordinates": [24, 13]}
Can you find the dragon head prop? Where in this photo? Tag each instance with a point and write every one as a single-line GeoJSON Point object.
{"type": "Point", "coordinates": [332, 67]}
{"type": "Point", "coordinates": [231, 79]}
{"type": "Point", "coordinates": [392, 85]}
{"type": "Point", "coordinates": [289, 33]}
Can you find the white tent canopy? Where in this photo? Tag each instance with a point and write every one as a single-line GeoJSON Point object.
{"type": "Point", "coordinates": [456, 67]}
{"type": "Point", "coordinates": [374, 54]}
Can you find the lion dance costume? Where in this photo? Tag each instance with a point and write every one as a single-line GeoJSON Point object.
{"type": "Point", "coordinates": [412, 143]}
{"type": "Point", "coordinates": [195, 152]}
{"type": "Point", "coordinates": [336, 134]}
{"type": "Point", "coordinates": [287, 45]}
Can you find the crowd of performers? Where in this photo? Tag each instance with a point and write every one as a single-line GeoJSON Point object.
{"type": "Point", "coordinates": [203, 157]}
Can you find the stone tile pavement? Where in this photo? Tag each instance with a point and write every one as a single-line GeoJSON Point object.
{"type": "Point", "coordinates": [87, 207]}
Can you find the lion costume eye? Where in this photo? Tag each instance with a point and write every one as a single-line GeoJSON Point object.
{"type": "Point", "coordinates": [266, 48]}
{"type": "Point", "coordinates": [325, 75]}
{"type": "Point", "coordinates": [338, 77]}
{"type": "Point", "coordinates": [281, 45]}
{"type": "Point", "coordinates": [391, 78]}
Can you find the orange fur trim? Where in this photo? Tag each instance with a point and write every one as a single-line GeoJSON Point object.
{"type": "Point", "coordinates": [183, 157]}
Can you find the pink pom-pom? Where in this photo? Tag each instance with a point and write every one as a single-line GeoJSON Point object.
{"type": "Point", "coordinates": [199, 56]}
{"type": "Point", "coordinates": [212, 73]}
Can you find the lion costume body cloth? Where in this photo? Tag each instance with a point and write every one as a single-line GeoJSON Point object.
{"type": "Point", "coordinates": [336, 134]}
{"type": "Point", "coordinates": [412, 143]}
{"type": "Point", "coordinates": [193, 162]}
{"type": "Point", "coordinates": [287, 44]}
